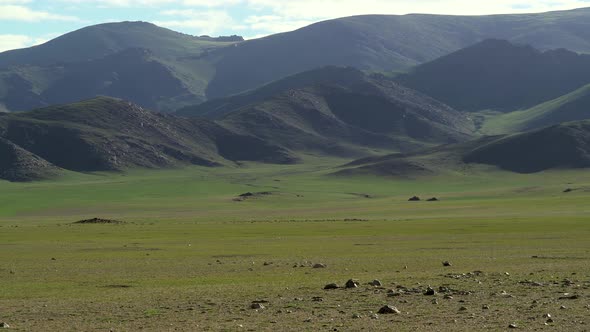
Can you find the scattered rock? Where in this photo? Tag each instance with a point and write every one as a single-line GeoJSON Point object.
{"type": "Point", "coordinates": [430, 291]}
{"type": "Point", "coordinates": [388, 309]}
{"type": "Point", "coordinates": [463, 309]}
{"type": "Point", "coordinates": [99, 221]}
{"type": "Point", "coordinates": [357, 316]}
{"type": "Point", "coordinates": [568, 190]}
{"type": "Point", "coordinates": [414, 199]}
{"type": "Point", "coordinates": [257, 306]}
{"type": "Point", "coordinates": [331, 286]}
{"type": "Point", "coordinates": [447, 263]}
{"type": "Point", "coordinates": [433, 199]}
{"type": "Point", "coordinates": [267, 263]}
{"type": "Point", "coordinates": [485, 307]}
{"type": "Point", "coordinates": [563, 307]}
{"type": "Point", "coordinates": [4, 325]}
{"type": "Point", "coordinates": [376, 283]}
{"type": "Point", "coordinates": [374, 316]}
{"type": "Point", "coordinates": [317, 299]}
{"type": "Point", "coordinates": [352, 283]}
{"type": "Point", "coordinates": [512, 326]}
{"type": "Point", "coordinates": [448, 297]}
{"type": "Point", "coordinates": [319, 266]}
{"type": "Point", "coordinates": [435, 301]}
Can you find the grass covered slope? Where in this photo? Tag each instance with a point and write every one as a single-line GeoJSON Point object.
{"type": "Point", "coordinates": [561, 146]}
{"type": "Point", "coordinates": [496, 74]}
{"type": "Point", "coordinates": [339, 111]}
{"type": "Point", "coordinates": [152, 66]}
{"type": "Point", "coordinates": [565, 146]}
{"type": "Point", "coordinates": [105, 134]}
{"type": "Point", "coordinates": [573, 106]}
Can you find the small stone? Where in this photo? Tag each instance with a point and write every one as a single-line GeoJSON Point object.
{"type": "Point", "coordinates": [430, 291]}
{"type": "Point", "coordinates": [512, 326]}
{"type": "Point", "coordinates": [257, 306]}
{"type": "Point", "coordinates": [485, 307]}
{"type": "Point", "coordinates": [463, 309]}
{"type": "Point", "coordinates": [563, 307]}
{"type": "Point", "coordinates": [448, 297]}
{"type": "Point", "coordinates": [267, 263]}
{"type": "Point", "coordinates": [331, 286]}
{"type": "Point", "coordinates": [356, 316]}
{"type": "Point", "coordinates": [388, 309]}
{"type": "Point", "coordinates": [414, 199]}
{"type": "Point", "coordinates": [547, 316]}
{"type": "Point", "coordinates": [447, 263]}
{"type": "Point", "coordinates": [4, 325]}
{"type": "Point", "coordinates": [435, 301]}
{"type": "Point", "coordinates": [317, 299]}
{"type": "Point", "coordinates": [550, 320]}
{"type": "Point", "coordinates": [352, 283]}
{"type": "Point", "coordinates": [374, 316]}
{"type": "Point", "coordinates": [319, 266]}
{"type": "Point", "coordinates": [376, 283]}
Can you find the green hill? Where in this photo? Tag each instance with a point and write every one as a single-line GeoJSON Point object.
{"type": "Point", "coordinates": [562, 146]}
{"type": "Point", "coordinates": [571, 107]}
{"type": "Point", "coordinates": [339, 111]}
{"type": "Point", "coordinates": [152, 66]}
{"type": "Point", "coordinates": [496, 74]}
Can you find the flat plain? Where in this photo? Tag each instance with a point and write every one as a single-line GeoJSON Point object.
{"type": "Point", "coordinates": [192, 255]}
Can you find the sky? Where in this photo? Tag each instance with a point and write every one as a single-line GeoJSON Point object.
{"type": "Point", "coordinates": [24, 23]}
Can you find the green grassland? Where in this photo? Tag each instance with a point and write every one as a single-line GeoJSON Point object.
{"type": "Point", "coordinates": [191, 258]}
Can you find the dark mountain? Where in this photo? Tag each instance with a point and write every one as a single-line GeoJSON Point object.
{"type": "Point", "coordinates": [205, 68]}
{"type": "Point", "coordinates": [496, 74]}
{"type": "Point", "coordinates": [339, 111]}
{"type": "Point", "coordinates": [388, 43]}
{"type": "Point", "coordinates": [105, 134]}
{"type": "Point", "coordinates": [557, 147]}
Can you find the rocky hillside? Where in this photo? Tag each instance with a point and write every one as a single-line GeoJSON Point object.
{"type": "Point", "coordinates": [106, 134]}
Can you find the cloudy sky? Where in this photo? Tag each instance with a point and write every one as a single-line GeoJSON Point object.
{"type": "Point", "coordinates": [25, 23]}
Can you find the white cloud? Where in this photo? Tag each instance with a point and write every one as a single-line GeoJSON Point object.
{"type": "Point", "coordinates": [22, 13]}
{"type": "Point", "coordinates": [11, 42]}
{"type": "Point", "coordinates": [209, 22]}
{"type": "Point", "coordinates": [322, 9]}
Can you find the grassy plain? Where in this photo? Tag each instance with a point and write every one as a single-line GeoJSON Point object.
{"type": "Point", "coordinates": [191, 258]}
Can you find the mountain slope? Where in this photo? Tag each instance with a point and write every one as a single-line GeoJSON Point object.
{"type": "Point", "coordinates": [496, 74]}
{"type": "Point", "coordinates": [559, 147]}
{"type": "Point", "coordinates": [106, 134]}
{"type": "Point", "coordinates": [388, 43]}
{"type": "Point", "coordinates": [17, 164]}
{"type": "Point", "coordinates": [571, 107]}
{"type": "Point", "coordinates": [339, 111]}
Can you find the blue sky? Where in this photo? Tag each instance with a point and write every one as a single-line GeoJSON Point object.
{"type": "Point", "coordinates": [25, 23]}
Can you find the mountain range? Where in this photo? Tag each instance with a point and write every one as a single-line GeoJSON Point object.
{"type": "Point", "coordinates": [155, 98]}
{"type": "Point", "coordinates": [179, 70]}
